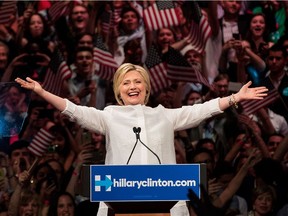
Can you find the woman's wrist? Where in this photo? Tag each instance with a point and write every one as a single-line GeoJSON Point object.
{"type": "Point", "coordinates": [232, 101]}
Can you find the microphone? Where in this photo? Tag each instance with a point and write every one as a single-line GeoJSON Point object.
{"type": "Point", "coordinates": [137, 133]}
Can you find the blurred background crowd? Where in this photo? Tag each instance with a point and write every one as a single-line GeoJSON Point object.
{"type": "Point", "coordinates": [193, 50]}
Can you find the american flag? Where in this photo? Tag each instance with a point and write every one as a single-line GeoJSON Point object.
{"type": "Point", "coordinates": [105, 22]}
{"type": "Point", "coordinates": [58, 9]}
{"type": "Point", "coordinates": [7, 9]}
{"type": "Point", "coordinates": [178, 69]}
{"type": "Point", "coordinates": [200, 29]}
{"type": "Point", "coordinates": [40, 142]}
{"type": "Point", "coordinates": [251, 106]}
{"type": "Point", "coordinates": [105, 60]}
{"type": "Point", "coordinates": [157, 69]}
{"type": "Point", "coordinates": [57, 72]}
{"type": "Point", "coordinates": [161, 14]}
{"type": "Point", "coordinates": [110, 19]}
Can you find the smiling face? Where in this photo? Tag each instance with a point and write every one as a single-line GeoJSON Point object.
{"type": "Point", "coordinates": [79, 18]}
{"type": "Point", "coordinates": [29, 209]}
{"type": "Point", "coordinates": [257, 26]}
{"type": "Point", "coordinates": [263, 204]}
{"type": "Point", "coordinates": [165, 38]}
{"type": "Point", "coordinates": [130, 22]}
{"type": "Point", "coordinates": [84, 62]}
{"type": "Point", "coordinates": [36, 25]}
{"type": "Point", "coordinates": [65, 206]}
{"type": "Point", "coordinates": [133, 88]}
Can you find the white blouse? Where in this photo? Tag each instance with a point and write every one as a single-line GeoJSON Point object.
{"type": "Point", "coordinates": [157, 128]}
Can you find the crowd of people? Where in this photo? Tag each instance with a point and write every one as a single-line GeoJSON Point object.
{"type": "Point", "coordinates": [76, 51]}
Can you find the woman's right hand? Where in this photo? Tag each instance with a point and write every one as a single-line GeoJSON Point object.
{"type": "Point", "coordinates": [30, 84]}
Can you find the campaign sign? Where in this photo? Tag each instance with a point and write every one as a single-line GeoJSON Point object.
{"type": "Point", "coordinates": [143, 182]}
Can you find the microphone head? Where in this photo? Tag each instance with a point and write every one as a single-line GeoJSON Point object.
{"type": "Point", "coordinates": [135, 130]}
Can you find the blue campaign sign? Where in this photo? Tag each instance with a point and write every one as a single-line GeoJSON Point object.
{"type": "Point", "coordinates": [143, 182]}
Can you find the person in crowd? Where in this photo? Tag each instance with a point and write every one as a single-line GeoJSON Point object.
{"type": "Point", "coordinates": [85, 41]}
{"type": "Point", "coordinates": [79, 18]}
{"type": "Point", "coordinates": [13, 110]}
{"type": "Point", "coordinates": [68, 28]}
{"type": "Point", "coordinates": [276, 178]}
{"type": "Point", "coordinates": [192, 97]}
{"type": "Point", "coordinates": [29, 204]}
{"type": "Point", "coordinates": [257, 35]}
{"type": "Point", "coordinates": [263, 199]}
{"type": "Point", "coordinates": [130, 27]}
{"type": "Point", "coordinates": [224, 173]}
{"type": "Point", "coordinates": [222, 189]}
{"type": "Point", "coordinates": [166, 37]}
{"type": "Point", "coordinates": [275, 14]}
{"type": "Point", "coordinates": [82, 85]}
{"type": "Point", "coordinates": [270, 121]}
{"type": "Point", "coordinates": [61, 147]}
{"type": "Point", "coordinates": [208, 144]}
{"type": "Point", "coordinates": [36, 32]}
{"type": "Point", "coordinates": [206, 156]}
{"type": "Point", "coordinates": [4, 53]}
{"type": "Point", "coordinates": [231, 26]}
{"type": "Point", "coordinates": [277, 78]}
{"type": "Point", "coordinates": [58, 169]}
{"type": "Point", "coordinates": [20, 160]}
{"type": "Point", "coordinates": [217, 128]}
{"type": "Point", "coordinates": [62, 204]}
{"type": "Point", "coordinates": [133, 52]}
{"type": "Point", "coordinates": [24, 200]}
{"type": "Point", "coordinates": [132, 87]}
{"type": "Point", "coordinates": [36, 42]}
{"type": "Point", "coordinates": [273, 142]}
{"type": "Point", "coordinates": [246, 65]}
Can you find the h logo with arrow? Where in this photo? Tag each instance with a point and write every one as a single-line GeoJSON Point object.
{"type": "Point", "coordinates": [107, 183]}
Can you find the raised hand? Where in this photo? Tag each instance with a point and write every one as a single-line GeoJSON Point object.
{"type": "Point", "coordinates": [246, 93]}
{"type": "Point", "coordinates": [30, 84]}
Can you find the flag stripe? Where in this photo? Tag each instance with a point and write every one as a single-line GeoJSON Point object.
{"type": "Point", "coordinates": [105, 60]}
{"type": "Point", "coordinates": [7, 9]}
{"type": "Point", "coordinates": [156, 17]}
{"type": "Point", "coordinates": [40, 142]}
{"type": "Point", "coordinates": [157, 70]}
{"type": "Point", "coordinates": [251, 106]}
{"type": "Point", "coordinates": [200, 29]}
{"type": "Point", "coordinates": [58, 9]}
{"type": "Point", "coordinates": [178, 69]}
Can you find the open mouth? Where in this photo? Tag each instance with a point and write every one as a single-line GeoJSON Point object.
{"type": "Point", "coordinates": [79, 20]}
{"type": "Point", "coordinates": [258, 30]}
{"type": "Point", "coordinates": [133, 94]}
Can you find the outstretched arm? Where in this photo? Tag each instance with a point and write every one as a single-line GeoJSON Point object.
{"type": "Point", "coordinates": [245, 93]}
{"type": "Point", "coordinates": [30, 84]}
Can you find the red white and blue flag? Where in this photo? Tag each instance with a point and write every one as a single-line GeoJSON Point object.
{"type": "Point", "coordinates": [161, 14]}
{"type": "Point", "coordinates": [157, 70]}
{"type": "Point", "coordinates": [178, 69]}
{"type": "Point", "coordinates": [105, 60]}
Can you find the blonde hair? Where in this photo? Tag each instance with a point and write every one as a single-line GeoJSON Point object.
{"type": "Point", "coordinates": [119, 76]}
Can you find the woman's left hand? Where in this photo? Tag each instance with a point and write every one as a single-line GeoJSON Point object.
{"type": "Point", "coordinates": [246, 93]}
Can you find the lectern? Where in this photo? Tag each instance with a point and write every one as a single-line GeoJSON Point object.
{"type": "Point", "coordinates": [132, 189]}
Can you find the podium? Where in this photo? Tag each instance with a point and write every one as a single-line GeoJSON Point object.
{"type": "Point", "coordinates": [139, 189]}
